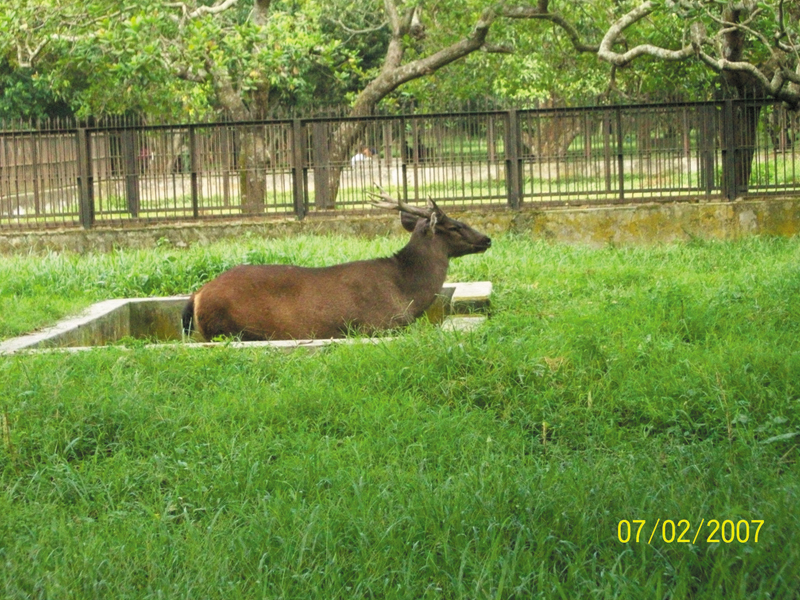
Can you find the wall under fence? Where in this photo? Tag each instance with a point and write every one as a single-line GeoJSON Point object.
{"type": "Point", "coordinates": [120, 174]}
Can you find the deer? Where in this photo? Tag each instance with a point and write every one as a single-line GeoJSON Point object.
{"type": "Point", "coordinates": [289, 302]}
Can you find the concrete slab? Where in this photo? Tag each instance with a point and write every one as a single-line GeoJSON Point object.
{"type": "Point", "coordinates": [463, 322]}
{"type": "Point", "coordinates": [471, 296]}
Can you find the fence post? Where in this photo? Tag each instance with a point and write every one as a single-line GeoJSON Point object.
{"type": "Point", "coordinates": [225, 146]}
{"type": "Point", "coordinates": [387, 148]}
{"type": "Point", "coordinates": [728, 152]}
{"type": "Point", "coordinates": [36, 174]}
{"type": "Point", "coordinates": [490, 142]}
{"type": "Point", "coordinates": [129, 156]}
{"type": "Point", "coordinates": [404, 158]}
{"type": "Point", "coordinates": [85, 179]}
{"type": "Point", "coordinates": [415, 141]}
{"type": "Point", "coordinates": [298, 187]}
{"type": "Point", "coordinates": [707, 142]}
{"type": "Point", "coordinates": [193, 170]}
{"type": "Point", "coordinates": [513, 180]}
{"type": "Point", "coordinates": [607, 149]}
{"type": "Point", "coordinates": [321, 157]}
{"type": "Point", "coordinates": [620, 154]}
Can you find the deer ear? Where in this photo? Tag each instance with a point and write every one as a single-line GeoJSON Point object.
{"type": "Point", "coordinates": [409, 222]}
{"type": "Point", "coordinates": [434, 207]}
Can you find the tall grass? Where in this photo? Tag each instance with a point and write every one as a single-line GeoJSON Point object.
{"type": "Point", "coordinates": [611, 384]}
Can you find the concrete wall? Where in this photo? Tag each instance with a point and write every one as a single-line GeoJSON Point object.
{"type": "Point", "coordinates": [639, 224]}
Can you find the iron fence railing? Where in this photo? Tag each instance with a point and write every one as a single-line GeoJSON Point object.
{"type": "Point", "coordinates": [115, 174]}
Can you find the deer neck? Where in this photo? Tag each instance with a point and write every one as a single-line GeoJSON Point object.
{"type": "Point", "coordinates": [423, 269]}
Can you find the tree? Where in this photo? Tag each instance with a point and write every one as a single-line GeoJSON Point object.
{"type": "Point", "coordinates": [768, 66]}
{"type": "Point", "coordinates": [751, 47]}
{"type": "Point", "coordinates": [172, 60]}
{"type": "Point", "coordinates": [247, 57]}
{"type": "Point", "coordinates": [242, 57]}
{"type": "Point", "coordinates": [754, 48]}
{"type": "Point", "coordinates": [25, 97]}
{"type": "Point", "coordinates": [413, 51]}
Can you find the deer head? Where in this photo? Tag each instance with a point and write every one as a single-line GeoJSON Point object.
{"type": "Point", "coordinates": [457, 238]}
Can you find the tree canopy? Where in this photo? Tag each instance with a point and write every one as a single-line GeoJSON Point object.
{"type": "Point", "coordinates": [192, 58]}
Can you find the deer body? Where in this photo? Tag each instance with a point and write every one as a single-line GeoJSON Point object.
{"type": "Point", "coordinates": [278, 302]}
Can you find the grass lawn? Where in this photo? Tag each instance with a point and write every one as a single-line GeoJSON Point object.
{"type": "Point", "coordinates": [610, 385]}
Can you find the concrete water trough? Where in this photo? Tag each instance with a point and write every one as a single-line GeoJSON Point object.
{"type": "Point", "coordinates": [459, 306]}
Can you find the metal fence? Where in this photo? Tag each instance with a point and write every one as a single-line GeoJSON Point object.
{"type": "Point", "coordinates": [116, 174]}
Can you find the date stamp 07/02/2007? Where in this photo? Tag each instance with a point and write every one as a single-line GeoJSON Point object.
{"type": "Point", "coordinates": [725, 531]}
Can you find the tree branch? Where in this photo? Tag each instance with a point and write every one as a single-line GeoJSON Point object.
{"type": "Point", "coordinates": [357, 31]}
{"type": "Point", "coordinates": [228, 96]}
{"type": "Point", "coordinates": [260, 14]}
{"type": "Point", "coordinates": [187, 14]}
{"type": "Point", "coordinates": [391, 79]}
{"type": "Point", "coordinates": [27, 55]}
{"type": "Point", "coordinates": [607, 54]}
{"type": "Point", "coordinates": [497, 48]}
{"type": "Point", "coordinates": [541, 12]}
{"type": "Point", "coordinates": [217, 7]}
{"type": "Point", "coordinates": [775, 87]}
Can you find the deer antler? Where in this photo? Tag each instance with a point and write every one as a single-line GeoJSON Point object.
{"type": "Point", "coordinates": [392, 204]}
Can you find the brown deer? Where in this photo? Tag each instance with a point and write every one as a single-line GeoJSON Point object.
{"type": "Point", "coordinates": [284, 302]}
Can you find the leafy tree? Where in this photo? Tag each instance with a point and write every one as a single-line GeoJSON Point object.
{"type": "Point", "coordinates": [243, 57]}
{"type": "Point", "coordinates": [754, 47]}
{"type": "Point", "coordinates": [173, 60]}
{"type": "Point", "coordinates": [166, 59]}
{"type": "Point", "coordinates": [25, 97]}
{"type": "Point", "coordinates": [422, 38]}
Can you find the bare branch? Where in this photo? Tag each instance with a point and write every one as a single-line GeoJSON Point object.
{"type": "Point", "coordinates": [792, 46]}
{"type": "Point", "coordinates": [358, 31]}
{"type": "Point", "coordinates": [393, 16]}
{"type": "Point", "coordinates": [187, 13]}
{"type": "Point", "coordinates": [541, 12]}
{"type": "Point", "coordinates": [498, 48]}
{"type": "Point", "coordinates": [607, 54]}
{"type": "Point", "coordinates": [214, 9]}
{"type": "Point", "coordinates": [445, 56]}
{"type": "Point", "coordinates": [775, 87]}
{"type": "Point", "coordinates": [27, 55]}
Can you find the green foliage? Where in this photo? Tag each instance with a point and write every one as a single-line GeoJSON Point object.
{"type": "Point", "coordinates": [145, 57]}
{"type": "Point", "coordinates": [667, 378]}
{"type": "Point", "coordinates": [546, 68]}
{"type": "Point", "coordinates": [157, 60]}
{"type": "Point", "coordinates": [25, 96]}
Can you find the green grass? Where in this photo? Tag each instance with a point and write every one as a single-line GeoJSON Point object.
{"type": "Point", "coordinates": [611, 384]}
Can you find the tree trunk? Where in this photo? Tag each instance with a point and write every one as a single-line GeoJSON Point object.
{"type": "Point", "coordinates": [253, 162]}
{"type": "Point", "coordinates": [343, 145]}
{"type": "Point", "coordinates": [743, 141]}
{"type": "Point", "coordinates": [740, 135]}
{"type": "Point", "coordinates": [394, 74]}
{"type": "Point", "coordinates": [550, 137]}
{"type": "Point", "coordinates": [253, 156]}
